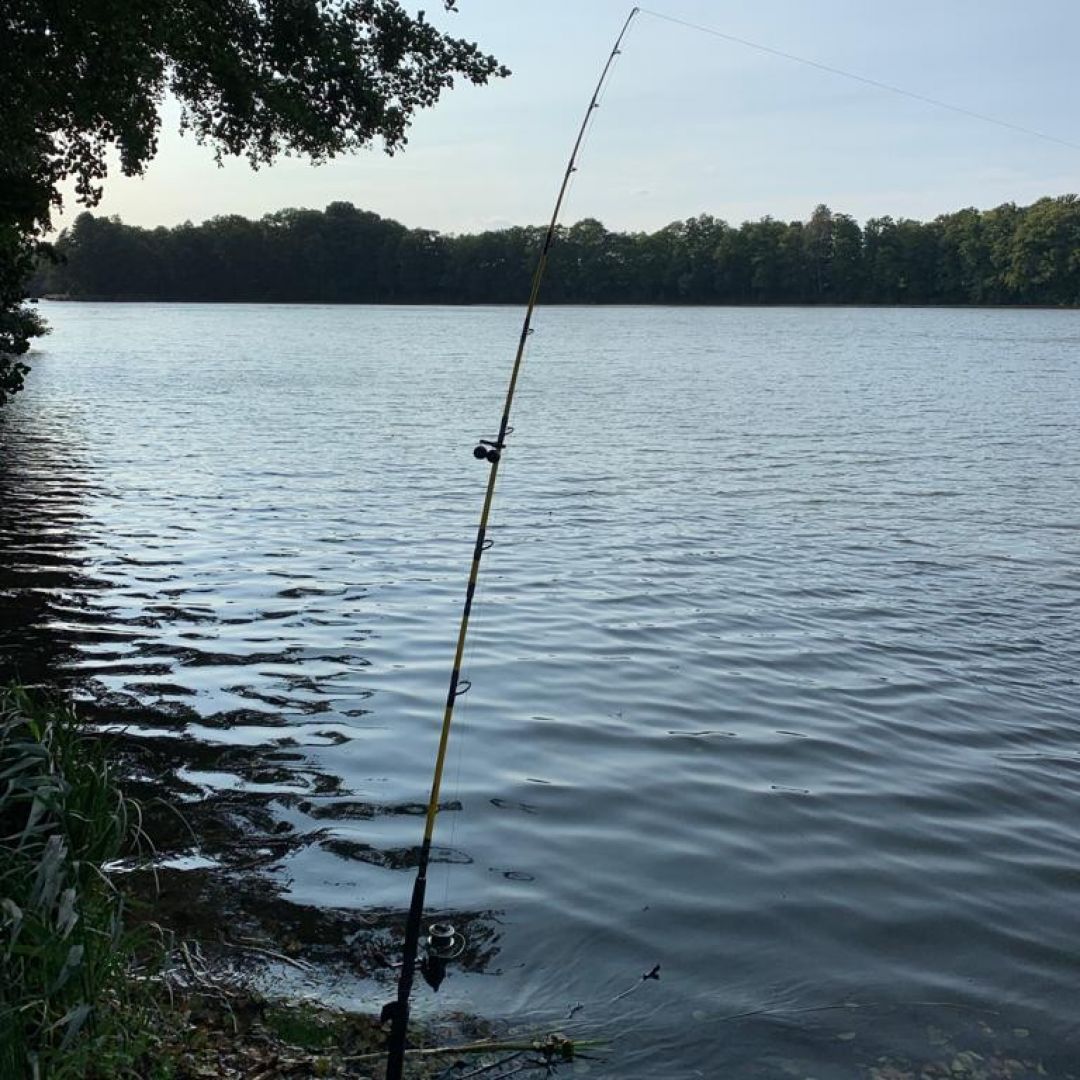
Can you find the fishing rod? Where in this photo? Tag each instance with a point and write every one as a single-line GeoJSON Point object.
{"type": "Point", "coordinates": [442, 942]}
{"type": "Point", "coordinates": [490, 450]}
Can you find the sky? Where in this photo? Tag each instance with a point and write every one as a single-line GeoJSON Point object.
{"type": "Point", "coordinates": [691, 123]}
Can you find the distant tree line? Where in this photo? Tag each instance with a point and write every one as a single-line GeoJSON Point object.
{"type": "Point", "coordinates": [1008, 255]}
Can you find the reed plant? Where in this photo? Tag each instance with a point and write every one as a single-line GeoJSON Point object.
{"type": "Point", "coordinates": [71, 999]}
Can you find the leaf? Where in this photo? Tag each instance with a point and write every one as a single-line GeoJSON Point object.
{"type": "Point", "coordinates": [66, 916]}
{"type": "Point", "coordinates": [15, 921]}
{"type": "Point", "coordinates": [29, 759]}
{"type": "Point", "coordinates": [71, 964]}
{"type": "Point", "coordinates": [74, 1018]}
{"type": "Point", "coordinates": [49, 875]}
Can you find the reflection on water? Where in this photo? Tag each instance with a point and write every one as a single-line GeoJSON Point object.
{"type": "Point", "coordinates": [774, 660]}
{"type": "Point", "coordinates": [43, 578]}
{"type": "Point", "coordinates": [249, 794]}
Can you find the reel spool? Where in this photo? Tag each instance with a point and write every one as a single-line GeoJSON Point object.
{"type": "Point", "coordinates": [442, 945]}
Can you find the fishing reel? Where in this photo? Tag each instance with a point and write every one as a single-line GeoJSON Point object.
{"type": "Point", "coordinates": [442, 945]}
{"type": "Point", "coordinates": [487, 449]}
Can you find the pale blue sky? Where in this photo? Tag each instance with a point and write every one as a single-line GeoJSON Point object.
{"type": "Point", "coordinates": [693, 124]}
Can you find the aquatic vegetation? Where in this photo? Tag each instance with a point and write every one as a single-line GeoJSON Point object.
{"type": "Point", "coordinates": [69, 1005]}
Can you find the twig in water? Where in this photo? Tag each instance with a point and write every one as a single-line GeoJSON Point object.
{"type": "Point", "coordinates": [554, 1047]}
{"type": "Point", "coordinates": [494, 1065]}
{"type": "Point", "coordinates": [200, 977]}
{"type": "Point", "coordinates": [301, 965]}
{"type": "Point", "coordinates": [652, 974]}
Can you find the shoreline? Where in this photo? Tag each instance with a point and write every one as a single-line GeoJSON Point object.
{"type": "Point", "coordinates": [856, 306]}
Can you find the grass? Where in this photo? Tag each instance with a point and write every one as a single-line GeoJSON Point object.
{"type": "Point", "coordinates": [69, 1005]}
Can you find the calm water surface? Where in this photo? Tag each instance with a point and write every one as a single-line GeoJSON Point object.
{"type": "Point", "coordinates": [774, 666]}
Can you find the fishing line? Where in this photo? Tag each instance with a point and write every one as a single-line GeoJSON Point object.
{"type": "Point", "coordinates": [581, 154]}
{"type": "Point", "coordinates": [455, 791]}
{"type": "Point", "coordinates": [464, 712]}
{"type": "Point", "coordinates": [866, 81]}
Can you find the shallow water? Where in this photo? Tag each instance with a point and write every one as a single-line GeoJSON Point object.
{"type": "Point", "coordinates": [774, 660]}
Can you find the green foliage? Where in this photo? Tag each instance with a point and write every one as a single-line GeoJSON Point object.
{"type": "Point", "coordinates": [67, 1007]}
{"type": "Point", "coordinates": [18, 324]}
{"type": "Point", "coordinates": [1044, 257]}
{"type": "Point", "coordinates": [303, 1025]}
{"type": "Point", "coordinates": [1010, 255]}
{"type": "Point", "coordinates": [255, 79]}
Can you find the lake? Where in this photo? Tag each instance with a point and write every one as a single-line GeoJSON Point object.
{"type": "Point", "coordinates": [774, 658]}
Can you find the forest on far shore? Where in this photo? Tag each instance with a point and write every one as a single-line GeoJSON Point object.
{"type": "Point", "coordinates": [1007, 255]}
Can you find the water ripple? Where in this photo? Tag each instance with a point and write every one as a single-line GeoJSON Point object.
{"type": "Point", "coordinates": [774, 659]}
